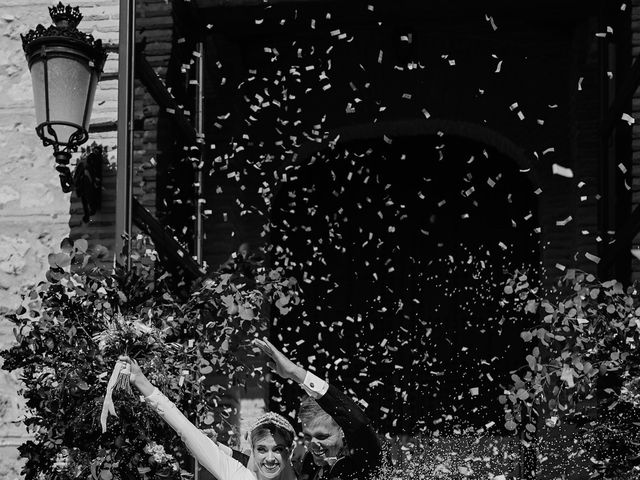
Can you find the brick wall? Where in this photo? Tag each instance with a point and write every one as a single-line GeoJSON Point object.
{"type": "Point", "coordinates": [101, 19]}
{"type": "Point", "coordinates": [154, 24]}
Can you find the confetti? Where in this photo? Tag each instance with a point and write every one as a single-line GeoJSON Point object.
{"type": "Point", "coordinates": [562, 171]}
{"type": "Point", "coordinates": [592, 257]}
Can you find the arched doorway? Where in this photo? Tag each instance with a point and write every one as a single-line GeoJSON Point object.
{"type": "Point", "coordinates": [401, 244]}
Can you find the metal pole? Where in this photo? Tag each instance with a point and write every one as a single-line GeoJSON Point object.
{"type": "Point", "coordinates": [604, 188]}
{"type": "Point", "coordinates": [622, 142]}
{"type": "Point", "coordinates": [124, 189]}
{"type": "Point", "coordinates": [199, 177]}
{"type": "Point", "coordinates": [199, 230]}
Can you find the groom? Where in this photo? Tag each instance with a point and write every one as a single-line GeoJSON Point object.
{"type": "Point", "coordinates": [341, 445]}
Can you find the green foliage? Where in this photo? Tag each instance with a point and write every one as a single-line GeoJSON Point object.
{"type": "Point", "coordinates": [582, 369]}
{"type": "Point", "coordinates": [71, 329]}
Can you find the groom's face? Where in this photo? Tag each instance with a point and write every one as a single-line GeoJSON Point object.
{"type": "Point", "coordinates": [323, 438]}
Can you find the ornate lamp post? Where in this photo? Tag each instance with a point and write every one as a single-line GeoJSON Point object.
{"type": "Point", "coordinates": [65, 66]}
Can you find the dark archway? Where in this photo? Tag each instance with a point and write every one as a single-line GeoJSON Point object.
{"type": "Point", "coordinates": [412, 127]}
{"type": "Point", "coordinates": [401, 244]}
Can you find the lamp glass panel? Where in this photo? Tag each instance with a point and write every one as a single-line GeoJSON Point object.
{"type": "Point", "coordinates": [37, 82]}
{"type": "Point", "coordinates": [70, 80]}
{"type": "Point", "coordinates": [92, 93]}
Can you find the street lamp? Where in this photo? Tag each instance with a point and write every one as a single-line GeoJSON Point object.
{"type": "Point", "coordinates": [65, 66]}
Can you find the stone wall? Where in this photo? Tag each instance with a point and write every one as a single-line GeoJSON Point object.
{"type": "Point", "coordinates": [34, 213]}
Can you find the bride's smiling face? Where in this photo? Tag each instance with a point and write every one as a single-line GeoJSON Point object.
{"type": "Point", "coordinates": [270, 455]}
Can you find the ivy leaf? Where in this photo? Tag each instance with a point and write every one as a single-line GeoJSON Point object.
{"type": "Point", "coordinates": [66, 245]}
{"type": "Point", "coordinates": [81, 245]}
{"type": "Point", "coordinates": [274, 275]}
{"type": "Point", "coordinates": [532, 362]}
{"type": "Point", "coordinates": [531, 306]}
{"type": "Point", "coordinates": [284, 300]}
{"type": "Point", "coordinates": [106, 475]}
{"type": "Point", "coordinates": [227, 300]}
{"type": "Point", "coordinates": [246, 313]}
{"type": "Point", "coordinates": [122, 297]}
{"type": "Point", "coordinates": [510, 425]}
{"type": "Point", "coordinates": [59, 260]}
{"type": "Point", "coordinates": [17, 335]}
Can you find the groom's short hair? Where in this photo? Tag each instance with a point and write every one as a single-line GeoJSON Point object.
{"type": "Point", "coordinates": [310, 410]}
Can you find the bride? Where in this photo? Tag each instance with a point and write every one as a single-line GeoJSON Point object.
{"type": "Point", "coordinates": [271, 439]}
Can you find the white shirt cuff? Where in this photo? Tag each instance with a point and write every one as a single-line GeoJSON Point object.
{"type": "Point", "coordinates": [314, 385]}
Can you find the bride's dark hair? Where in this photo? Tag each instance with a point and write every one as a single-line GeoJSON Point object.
{"type": "Point", "coordinates": [263, 430]}
{"type": "Point", "coordinates": [272, 423]}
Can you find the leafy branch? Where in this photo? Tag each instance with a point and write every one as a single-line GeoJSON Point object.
{"type": "Point", "coordinates": [71, 329]}
{"type": "Point", "coordinates": [584, 360]}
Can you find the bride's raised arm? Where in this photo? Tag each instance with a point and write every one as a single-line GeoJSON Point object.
{"type": "Point", "coordinates": [218, 462]}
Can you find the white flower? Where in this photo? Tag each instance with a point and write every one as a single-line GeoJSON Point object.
{"type": "Point", "coordinates": [158, 453]}
{"type": "Point", "coordinates": [62, 460]}
{"type": "Point", "coordinates": [141, 327]}
{"type": "Point", "coordinates": [630, 392]}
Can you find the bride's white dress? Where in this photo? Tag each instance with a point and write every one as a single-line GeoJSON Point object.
{"type": "Point", "coordinates": [217, 459]}
{"type": "Point", "coordinates": [211, 456]}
